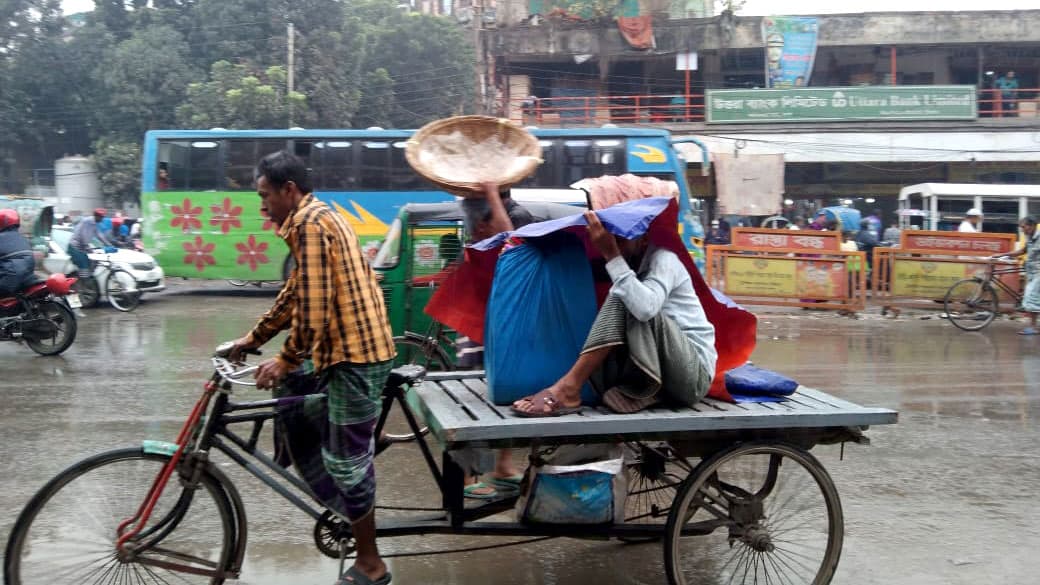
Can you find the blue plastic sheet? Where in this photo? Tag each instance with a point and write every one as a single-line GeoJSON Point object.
{"type": "Point", "coordinates": [749, 383]}
{"type": "Point", "coordinates": [629, 220]}
{"type": "Point", "coordinates": [848, 218]}
{"type": "Point", "coordinates": [541, 309]}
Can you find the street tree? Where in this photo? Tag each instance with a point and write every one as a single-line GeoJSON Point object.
{"type": "Point", "coordinates": [145, 78]}
{"type": "Point", "coordinates": [118, 163]}
{"type": "Point", "coordinates": [237, 97]}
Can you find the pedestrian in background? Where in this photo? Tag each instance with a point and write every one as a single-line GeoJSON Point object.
{"type": "Point", "coordinates": [892, 235]}
{"type": "Point", "coordinates": [1031, 250]}
{"type": "Point", "coordinates": [1008, 86]}
{"type": "Point", "coordinates": [716, 236]}
{"type": "Point", "coordinates": [972, 218]}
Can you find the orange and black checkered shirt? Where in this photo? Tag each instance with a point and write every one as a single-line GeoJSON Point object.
{"type": "Point", "coordinates": [331, 303]}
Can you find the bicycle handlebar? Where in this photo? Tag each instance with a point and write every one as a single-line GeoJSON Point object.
{"type": "Point", "coordinates": [227, 369]}
{"type": "Point", "coordinates": [228, 372]}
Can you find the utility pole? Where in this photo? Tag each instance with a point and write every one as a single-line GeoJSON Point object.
{"type": "Point", "coordinates": [479, 48]}
{"type": "Point", "coordinates": [291, 60]}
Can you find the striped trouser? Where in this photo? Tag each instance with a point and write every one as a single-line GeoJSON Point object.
{"type": "Point", "coordinates": [354, 392]}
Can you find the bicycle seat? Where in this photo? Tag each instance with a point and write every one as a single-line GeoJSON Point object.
{"type": "Point", "coordinates": [405, 375]}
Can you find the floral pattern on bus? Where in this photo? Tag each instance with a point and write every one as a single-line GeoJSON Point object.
{"type": "Point", "coordinates": [186, 217]}
{"type": "Point", "coordinates": [252, 253]}
{"type": "Point", "coordinates": [199, 253]}
{"type": "Point", "coordinates": [226, 216]}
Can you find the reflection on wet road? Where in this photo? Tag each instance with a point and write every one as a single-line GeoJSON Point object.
{"type": "Point", "coordinates": [945, 497]}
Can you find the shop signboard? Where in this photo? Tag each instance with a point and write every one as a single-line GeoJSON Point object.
{"type": "Point", "coordinates": [840, 104]}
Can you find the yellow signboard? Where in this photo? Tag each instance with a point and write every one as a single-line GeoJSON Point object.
{"type": "Point", "coordinates": [926, 278]}
{"type": "Point", "coordinates": [769, 277]}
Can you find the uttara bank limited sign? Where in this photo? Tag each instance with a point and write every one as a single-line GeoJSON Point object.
{"type": "Point", "coordinates": [836, 104]}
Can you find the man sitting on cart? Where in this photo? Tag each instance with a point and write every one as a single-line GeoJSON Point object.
{"type": "Point", "coordinates": [651, 340]}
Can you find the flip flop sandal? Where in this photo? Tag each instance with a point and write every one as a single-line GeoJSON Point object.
{"type": "Point", "coordinates": [1029, 331]}
{"type": "Point", "coordinates": [472, 491]}
{"type": "Point", "coordinates": [505, 484]}
{"type": "Point", "coordinates": [353, 576]}
{"type": "Point", "coordinates": [542, 401]}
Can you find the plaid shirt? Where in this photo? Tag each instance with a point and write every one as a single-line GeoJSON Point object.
{"type": "Point", "coordinates": [331, 303]}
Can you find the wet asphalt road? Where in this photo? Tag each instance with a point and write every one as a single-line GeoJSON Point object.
{"type": "Point", "coordinates": [948, 496]}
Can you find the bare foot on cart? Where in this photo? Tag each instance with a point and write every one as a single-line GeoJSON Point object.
{"type": "Point", "coordinates": [556, 400]}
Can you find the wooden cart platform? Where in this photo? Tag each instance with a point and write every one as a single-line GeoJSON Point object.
{"type": "Point", "coordinates": [456, 407]}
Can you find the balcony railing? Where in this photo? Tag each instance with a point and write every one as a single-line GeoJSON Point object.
{"type": "Point", "coordinates": [680, 108]}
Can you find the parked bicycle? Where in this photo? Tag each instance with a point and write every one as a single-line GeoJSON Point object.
{"type": "Point", "coordinates": [119, 286]}
{"type": "Point", "coordinates": [973, 303]}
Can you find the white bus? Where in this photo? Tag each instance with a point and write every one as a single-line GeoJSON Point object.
{"type": "Point", "coordinates": [942, 206]}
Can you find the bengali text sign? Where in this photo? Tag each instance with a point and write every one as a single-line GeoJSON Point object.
{"type": "Point", "coordinates": [928, 279]}
{"type": "Point", "coordinates": [823, 104]}
{"type": "Point", "coordinates": [791, 239]}
{"type": "Point", "coordinates": [765, 277]}
{"type": "Point", "coordinates": [963, 243]}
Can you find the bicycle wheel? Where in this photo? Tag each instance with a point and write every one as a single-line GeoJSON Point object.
{"type": "Point", "coordinates": [121, 289]}
{"type": "Point", "coordinates": [654, 472]}
{"type": "Point", "coordinates": [759, 512]}
{"type": "Point", "coordinates": [416, 349]}
{"type": "Point", "coordinates": [971, 304]}
{"type": "Point", "coordinates": [65, 329]}
{"type": "Point", "coordinates": [88, 291]}
{"type": "Point", "coordinates": [67, 532]}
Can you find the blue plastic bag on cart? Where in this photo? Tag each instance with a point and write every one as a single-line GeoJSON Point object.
{"type": "Point", "coordinates": [750, 383]}
{"type": "Point", "coordinates": [540, 311]}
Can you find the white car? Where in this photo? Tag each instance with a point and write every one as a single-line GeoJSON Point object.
{"type": "Point", "coordinates": [149, 275]}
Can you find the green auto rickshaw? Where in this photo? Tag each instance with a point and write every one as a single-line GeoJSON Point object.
{"type": "Point", "coordinates": [36, 218]}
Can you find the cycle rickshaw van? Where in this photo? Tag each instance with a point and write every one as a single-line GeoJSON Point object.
{"type": "Point", "coordinates": [423, 241]}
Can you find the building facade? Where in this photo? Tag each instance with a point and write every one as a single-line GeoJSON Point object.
{"type": "Point", "coordinates": [651, 64]}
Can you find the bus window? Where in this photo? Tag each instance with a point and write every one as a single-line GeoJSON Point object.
{"type": "Point", "coordinates": [337, 165]}
{"type": "Point", "coordinates": [545, 175]}
{"type": "Point", "coordinates": [241, 157]}
{"type": "Point", "coordinates": [191, 165]}
{"type": "Point", "coordinates": [402, 176]}
{"type": "Point", "coordinates": [592, 158]}
{"type": "Point", "coordinates": [374, 169]}
{"type": "Point", "coordinates": [203, 166]}
{"type": "Point", "coordinates": [173, 156]}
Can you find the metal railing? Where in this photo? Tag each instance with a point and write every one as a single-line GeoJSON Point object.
{"type": "Point", "coordinates": [685, 108]}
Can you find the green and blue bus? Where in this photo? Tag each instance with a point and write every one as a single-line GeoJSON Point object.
{"type": "Point", "coordinates": [201, 215]}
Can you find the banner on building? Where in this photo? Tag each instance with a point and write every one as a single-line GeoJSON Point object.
{"type": "Point", "coordinates": [749, 184]}
{"type": "Point", "coordinates": [790, 49]}
{"type": "Point", "coordinates": [827, 104]}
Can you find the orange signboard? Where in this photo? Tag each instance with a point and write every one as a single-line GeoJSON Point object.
{"type": "Point", "coordinates": [801, 240]}
{"type": "Point", "coordinates": [968, 244]}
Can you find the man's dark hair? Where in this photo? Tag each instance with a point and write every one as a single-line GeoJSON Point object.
{"type": "Point", "coordinates": [1029, 220]}
{"type": "Point", "coordinates": [283, 166]}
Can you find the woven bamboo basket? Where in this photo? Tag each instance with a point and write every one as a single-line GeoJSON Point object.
{"type": "Point", "coordinates": [459, 154]}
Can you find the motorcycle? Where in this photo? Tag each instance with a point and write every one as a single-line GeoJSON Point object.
{"type": "Point", "coordinates": [41, 315]}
